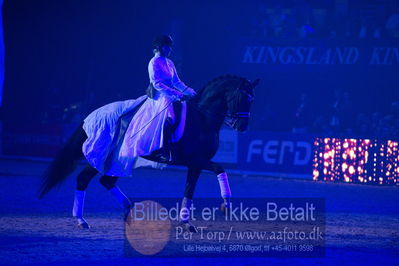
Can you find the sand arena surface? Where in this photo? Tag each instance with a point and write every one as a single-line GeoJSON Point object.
{"type": "Point", "coordinates": [361, 221]}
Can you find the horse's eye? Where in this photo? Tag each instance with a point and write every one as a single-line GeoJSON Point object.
{"type": "Point", "coordinates": [250, 98]}
{"type": "Point", "coordinates": [249, 95]}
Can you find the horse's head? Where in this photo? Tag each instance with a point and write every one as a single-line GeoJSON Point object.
{"type": "Point", "coordinates": [228, 99]}
{"type": "Point", "coordinates": [239, 101]}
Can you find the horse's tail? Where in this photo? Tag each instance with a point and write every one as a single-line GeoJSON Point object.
{"type": "Point", "coordinates": [64, 163]}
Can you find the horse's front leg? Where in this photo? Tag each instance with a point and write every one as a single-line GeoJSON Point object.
{"type": "Point", "coordinates": [185, 210]}
{"type": "Point", "coordinates": [223, 180]}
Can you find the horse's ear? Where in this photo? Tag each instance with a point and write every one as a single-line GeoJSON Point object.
{"type": "Point", "coordinates": [255, 83]}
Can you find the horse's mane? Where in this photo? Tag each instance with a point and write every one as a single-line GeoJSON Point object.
{"type": "Point", "coordinates": [214, 85]}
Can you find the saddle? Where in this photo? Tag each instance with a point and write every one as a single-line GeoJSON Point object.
{"type": "Point", "coordinates": [167, 153]}
{"type": "Point", "coordinates": [151, 91]}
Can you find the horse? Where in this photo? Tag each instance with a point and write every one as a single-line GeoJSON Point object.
{"type": "Point", "coordinates": [225, 99]}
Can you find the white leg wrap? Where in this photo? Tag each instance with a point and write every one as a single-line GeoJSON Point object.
{"type": "Point", "coordinates": [185, 209]}
{"type": "Point", "coordinates": [120, 197]}
{"type": "Point", "coordinates": [78, 204]}
{"type": "Point", "coordinates": [224, 186]}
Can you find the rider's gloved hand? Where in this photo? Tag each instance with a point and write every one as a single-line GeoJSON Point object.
{"type": "Point", "coordinates": [189, 93]}
{"type": "Point", "coordinates": [177, 96]}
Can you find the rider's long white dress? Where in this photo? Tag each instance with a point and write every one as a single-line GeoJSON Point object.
{"type": "Point", "coordinates": [118, 133]}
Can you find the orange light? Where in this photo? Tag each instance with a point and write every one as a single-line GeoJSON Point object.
{"type": "Point", "coordinates": [354, 160]}
{"type": "Point", "coordinates": [315, 174]}
{"type": "Point", "coordinates": [351, 170]}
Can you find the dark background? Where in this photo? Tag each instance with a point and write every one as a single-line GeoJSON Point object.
{"type": "Point", "coordinates": [79, 55]}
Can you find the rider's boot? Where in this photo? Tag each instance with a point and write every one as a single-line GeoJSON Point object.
{"type": "Point", "coordinates": [165, 154]}
{"type": "Point", "coordinates": [77, 211]}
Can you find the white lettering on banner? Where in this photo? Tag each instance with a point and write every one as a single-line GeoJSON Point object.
{"type": "Point", "coordinates": [273, 54]}
{"type": "Point", "coordinates": [384, 56]}
{"type": "Point", "coordinates": [285, 144]}
{"type": "Point", "coordinates": [309, 57]}
{"type": "Point", "coordinates": [308, 153]}
{"type": "Point", "coordinates": [253, 149]}
{"type": "Point", "coordinates": [274, 151]}
{"type": "Point", "coordinates": [353, 56]}
{"type": "Point", "coordinates": [375, 57]}
{"type": "Point", "coordinates": [269, 150]}
{"type": "Point", "coordinates": [248, 57]}
{"type": "Point", "coordinates": [286, 58]}
{"type": "Point", "coordinates": [318, 55]}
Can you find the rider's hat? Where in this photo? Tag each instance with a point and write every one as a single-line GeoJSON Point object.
{"type": "Point", "coordinates": [162, 40]}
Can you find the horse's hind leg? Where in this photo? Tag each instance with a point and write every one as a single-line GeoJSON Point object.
{"type": "Point", "coordinates": [191, 181]}
{"type": "Point", "coordinates": [82, 181]}
{"type": "Point", "coordinates": [223, 180]}
{"type": "Point", "coordinates": [109, 183]}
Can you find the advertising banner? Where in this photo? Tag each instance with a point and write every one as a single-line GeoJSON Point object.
{"type": "Point", "coordinates": [228, 147]}
{"type": "Point", "coordinates": [276, 154]}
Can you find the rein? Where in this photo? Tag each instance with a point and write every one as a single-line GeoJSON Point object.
{"type": "Point", "coordinates": [229, 118]}
{"type": "Point", "coordinates": [233, 116]}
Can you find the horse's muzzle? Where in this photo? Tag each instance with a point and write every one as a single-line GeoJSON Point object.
{"type": "Point", "coordinates": [241, 125]}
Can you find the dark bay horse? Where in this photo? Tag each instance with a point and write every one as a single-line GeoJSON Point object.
{"type": "Point", "coordinates": [226, 99]}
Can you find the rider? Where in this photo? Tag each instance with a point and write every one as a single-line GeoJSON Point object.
{"type": "Point", "coordinates": [119, 134]}
{"type": "Point", "coordinates": [166, 85]}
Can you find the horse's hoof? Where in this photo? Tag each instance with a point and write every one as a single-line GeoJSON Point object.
{"type": "Point", "coordinates": [84, 226]}
{"type": "Point", "coordinates": [189, 227]}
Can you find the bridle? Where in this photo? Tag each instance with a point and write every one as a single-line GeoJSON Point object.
{"type": "Point", "coordinates": [232, 116]}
